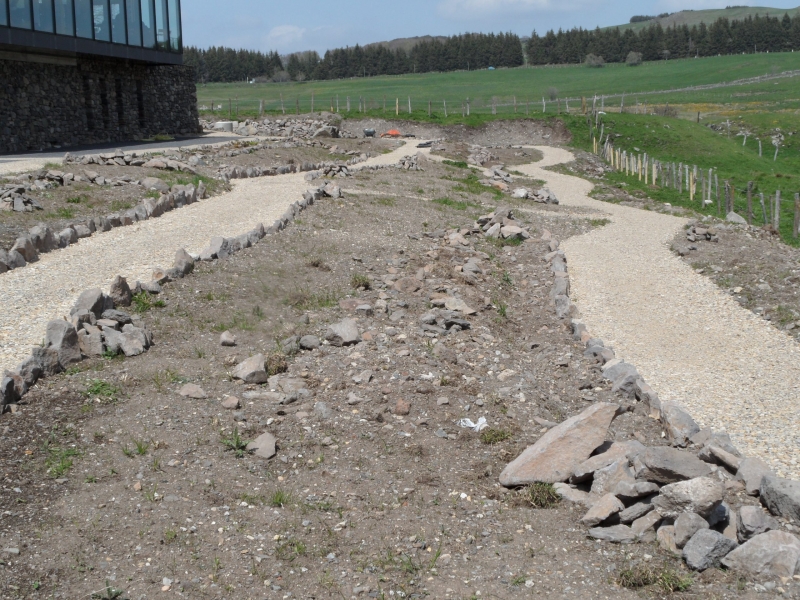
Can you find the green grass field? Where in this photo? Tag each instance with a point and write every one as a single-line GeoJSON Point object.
{"type": "Point", "coordinates": [527, 84]}
{"type": "Point", "coordinates": [695, 17]}
{"type": "Point", "coordinates": [761, 109]}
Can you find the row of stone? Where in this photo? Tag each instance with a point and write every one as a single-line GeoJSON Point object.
{"type": "Point", "coordinates": [634, 493]}
{"type": "Point", "coordinates": [41, 238]}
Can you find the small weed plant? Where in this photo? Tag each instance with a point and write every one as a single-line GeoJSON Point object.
{"type": "Point", "coordinates": [493, 436]}
{"type": "Point", "coordinates": [235, 443]}
{"type": "Point", "coordinates": [541, 495]}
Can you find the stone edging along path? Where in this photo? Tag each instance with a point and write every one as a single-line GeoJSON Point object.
{"type": "Point", "coordinates": [46, 289]}
{"type": "Point", "coordinates": [693, 344]}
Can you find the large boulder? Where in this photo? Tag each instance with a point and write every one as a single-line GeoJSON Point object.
{"type": "Point", "coordinates": [26, 248]}
{"type": "Point", "coordinates": [43, 238]}
{"type": "Point", "coordinates": [344, 333]}
{"type": "Point", "coordinates": [781, 497]}
{"type": "Point", "coordinates": [706, 549]}
{"type": "Point", "coordinates": [252, 370]}
{"type": "Point", "coordinates": [700, 495]}
{"type": "Point", "coordinates": [93, 300]}
{"type": "Point", "coordinates": [555, 455]}
{"type": "Point", "coordinates": [47, 360]}
{"type": "Point", "coordinates": [680, 426]}
{"type": "Point", "coordinates": [606, 479]}
{"type": "Point", "coordinates": [184, 262]}
{"type": "Point", "coordinates": [771, 554]}
{"type": "Point", "coordinates": [686, 525]}
{"type": "Point", "coordinates": [62, 337]}
{"type": "Point", "coordinates": [668, 465]}
{"type": "Point", "coordinates": [615, 452]}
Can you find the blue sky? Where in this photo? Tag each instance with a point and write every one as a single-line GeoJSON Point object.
{"type": "Point", "coordinates": [315, 25]}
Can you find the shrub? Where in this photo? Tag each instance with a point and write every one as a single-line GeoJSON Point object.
{"type": "Point", "coordinates": [594, 61]}
{"type": "Point", "coordinates": [634, 59]}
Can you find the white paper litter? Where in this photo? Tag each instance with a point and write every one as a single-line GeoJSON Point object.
{"type": "Point", "coordinates": [481, 424]}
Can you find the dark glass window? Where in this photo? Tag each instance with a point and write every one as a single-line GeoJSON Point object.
{"type": "Point", "coordinates": [102, 27]}
{"type": "Point", "coordinates": [134, 23]}
{"type": "Point", "coordinates": [21, 14]}
{"type": "Point", "coordinates": [175, 42]}
{"type": "Point", "coordinates": [162, 35]}
{"type": "Point", "coordinates": [83, 19]}
{"type": "Point", "coordinates": [64, 24]}
{"type": "Point", "coordinates": [148, 25]}
{"type": "Point", "coordinates": [4, 12]}
{"type": "Point", "coordinates": [43, 15]}
{"type": "Point", "coordinates": [118, 22]}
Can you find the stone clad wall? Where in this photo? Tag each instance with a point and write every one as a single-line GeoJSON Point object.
{"type": "Point", "coordinates": [97, 100]}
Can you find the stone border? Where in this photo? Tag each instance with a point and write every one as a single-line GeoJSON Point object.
{"type": "Point", "coordinates": [781, 497]}
{"type": "Point", "coordinates": [96, 324]}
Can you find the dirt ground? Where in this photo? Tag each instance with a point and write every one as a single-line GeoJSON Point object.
{"type": "Point", "coordinates": [112, 481]}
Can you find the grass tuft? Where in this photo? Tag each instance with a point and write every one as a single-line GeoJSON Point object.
{"type": "Point", "coordinates": [494, 436]}
{"type": "Point", "coordinates": [541, 495]}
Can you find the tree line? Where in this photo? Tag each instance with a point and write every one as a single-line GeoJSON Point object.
{"type": "Point", "coordinates": [479, 51]}
{"type": "Point", "coordinates": [459, 52]}
{"type": "Point", "coordinates": [723, 36]}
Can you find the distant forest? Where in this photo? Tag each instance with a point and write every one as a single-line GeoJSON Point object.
{"type": "Point", "coordinates": [753, 34]}
{"type": "Point", "coordinates": [460, 52]}
{"type": "Point", "coordinates": [480, 51]}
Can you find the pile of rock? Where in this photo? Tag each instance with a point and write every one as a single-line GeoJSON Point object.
{"type": "Point", "coordinates": [687, 496]}
{"type": "Point", "coordinates": [480, 156]}
{"type": "Point", "coordinates": [334, 171]}
{"type": "Point", "coordinates": [501, 224]}
{"type": "Point", "coordinates": [281, 127]}
{"type": "Point", "coordinates": [543, 195]}
{"type": "Point", "coordinates": [411, 163]}
{"type": "Point", "coordinates": [697, 232]}
{"type": "Point", "coordinates": [95, 327]}
{"type": "Point", "coordinates": [15, 199]}
{"type": "Point", "coordinates": [116, 158]}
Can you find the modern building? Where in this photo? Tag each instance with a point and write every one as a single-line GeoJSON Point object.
{"type": "Point", "coordinates": [85, 71]}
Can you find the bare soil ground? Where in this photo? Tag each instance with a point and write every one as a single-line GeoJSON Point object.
{"type": "Point", "coordinates": [111, 478]}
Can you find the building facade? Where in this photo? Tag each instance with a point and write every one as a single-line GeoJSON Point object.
{"type": "Point", "coordinates": [89, 71]}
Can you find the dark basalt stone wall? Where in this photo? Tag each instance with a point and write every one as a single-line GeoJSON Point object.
{"type": "Point", "coordinates": [43, 106]}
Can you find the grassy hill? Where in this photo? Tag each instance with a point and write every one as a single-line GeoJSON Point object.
{"type": "Point", "coordinates": [407, 43]}
{"type": "Point", "coordinates": [695, 17]}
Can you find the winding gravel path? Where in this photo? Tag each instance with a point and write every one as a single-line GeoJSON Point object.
{"type": "Point", "coordinates": [692, 342]}
{"type": "Point", "coordinates": [47, 289]}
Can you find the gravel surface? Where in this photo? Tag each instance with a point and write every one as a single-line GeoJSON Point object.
{"type": "Point", "coordinates": [692, 342]}
{"type": "Point", "coordinates": [47, 289]}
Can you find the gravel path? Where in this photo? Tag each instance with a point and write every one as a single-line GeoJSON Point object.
{"type": "Point", "coordinates": [692, 342]}
{"type": "Point", "coordinates": [48, 288]}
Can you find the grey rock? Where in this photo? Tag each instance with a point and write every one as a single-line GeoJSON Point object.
{"type": "Point", "coordinates": [700, 495]}
{"type": "Point", "coordinates": [714, 455]}
{"type": "Point", "coordinates": [636, 511]}
{"type": "Point", "coordinates": [556, 454]}
{"type": "Point", "coordinates": [646, 524]}
{"type": "Point", "coordinates": [617, 534]}
{"type": "Point", "coordinates": [753, 521]}
{"type": "Point", "coordinates": [615, 452]}
{"type": "Point", "coordinates": [613, 371]}
{"type": "Point", "coordinates": [15, 260]}
{"type": "Point", "coordinates": [93, 300]}
{"type": "Point", "coordinates": [66, 237]}
{"type": "Point", "coordinates": [62, 337]}
{"type": "Point", "coordinates": [25, 247]}
{"type": "Point", "coordinates": [3, 261]}
{"type": "Point", "coordinates": [607, 478]}
{"type": "Point", "coordinates": [43, 238]}
{"type": "Point", "coordinates": [771, 554]}
{"type": "Point", "coordinates": [82, 231]}
{"type": "Point", "coordinates": [47, 359]}
{"type": "Point", "coordinates": [219, 247]}
{"type": "Point", "coordinates": [667, 465]}
{"type": "Point", "coordinates": [706, 549]}
{"type": "Point", "coordinates": [686, 525]}
{"type": "Point", "coordinates": [344, 333]}
{"type": "Point", "coordinates": [733, 217]}
{"type": "Point", "coordinates": [9, 393]}
{"type": "Point", "coordinates": [752, 472]}
{"type": "Point", "coordinates": [781, 497]}
{"type": "Point", "coordinates": [573, 494]}
{"type": "Point", "coordinates": [30, 370]}
{"type": "Point", "coordinates": [628, 492]}
{"type": "Point", "coordinates": [192, 390]}
{"type": "Point", "coordinates": [720, 516]}
{"type": "Point", "coordinates": [131, 341]}
{"type": "Point", "coordinates": [601, 510]}
{"type": "Point", "coordinates": [151, 287]}
{"type": "Point", "coordinates": [252, 370]}
{"type": "Point", "coordinates": [119, 316]}
{"type": "Point", "coordinates": [263, 446]}
{"type": "Point", "coordinates": [679, 424]}
{"type": "Point", "coordinates": [184, 262]}
{"type": "Point", "coordinates": [309, 342]}
{"type": "Point", "coordinates": [90, 340]}
{"type": "Point", "coordinates": [322, 410]}
{"type": "Point", "coordinates": [154, 183]}
{"type": "Point", "coordinates": [226, 338]}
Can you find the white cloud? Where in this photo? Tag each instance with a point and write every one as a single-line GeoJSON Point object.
{"type": "Point", "coordinates": [284, 36]}
{"type": "Point", "coordinates": [468, 9]}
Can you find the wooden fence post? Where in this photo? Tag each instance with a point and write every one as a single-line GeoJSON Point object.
{"type": "Point", "coordinates": [515, 105]}
{"type": "Point", "coordinates": [337, 104]}
{"type": "Point", "coordinates": [409, 105]}
{"type": "Point", "coordinates": [260, 108]}
{"type": "Point", "coordinates": [283, 109]}
{"type": "Point", "coordinates": [445, 108]}
{"type": "Point", "coordinates": [796, 215]}
{"type": "Point", "coordinates": [397, 106]}
{"type": "Point", "coordinates": [759, 148]}
{"type": "Point", "coordinates": [230, 109]}
{"type": "Point", "coordinates": [763, 208]}
{"type": "Point", "coordinates": [429, 108]}
{"type": "Point", "coordinates": [384, 103]}
{"type": "Point", "coordinates": [776, 216]}
{"type": "Point", "coordinates": [297, 105]}
{"type": "Point", "coordinates": [749, 202]}
{"type": "Point", "coordinates": [312, 103]}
